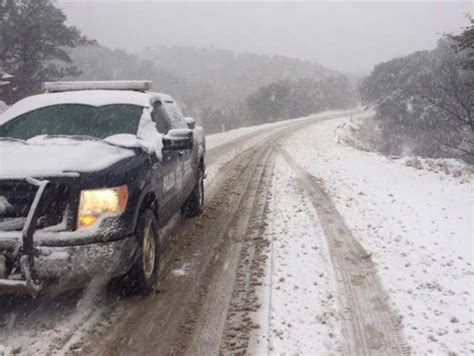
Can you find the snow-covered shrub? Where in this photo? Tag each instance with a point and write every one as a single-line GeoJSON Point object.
{"type": "Point", "coordinates": [452, 167]}
{"type": "Point", "coordinates": [361, 132]}
{"type": "Point", "coordinates": [424, 102]}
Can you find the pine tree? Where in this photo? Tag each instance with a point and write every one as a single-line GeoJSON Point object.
{"type": "Point", "coordinates": [33, 45]}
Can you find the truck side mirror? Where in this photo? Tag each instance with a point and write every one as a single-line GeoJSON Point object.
{"type": "Point", "coordinates": [191, 122]}
{"type": "Point", "coordinates": [178, 140]}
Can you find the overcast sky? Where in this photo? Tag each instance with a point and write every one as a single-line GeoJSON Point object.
{"type": "Point", "coordinates": [346, 36]}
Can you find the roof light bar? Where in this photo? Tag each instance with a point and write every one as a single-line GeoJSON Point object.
{"type": "Point", "coordinates": [138, 85]}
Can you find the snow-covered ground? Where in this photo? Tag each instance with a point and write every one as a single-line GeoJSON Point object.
{"type": "Point", "coordinates": [414, 219]}
{"type": "Point", "coordinates": [299, 313]}
{"type": "Point", "coordinates": [418, 225]}
{"type": "Point", "coordinates": [415, 216]}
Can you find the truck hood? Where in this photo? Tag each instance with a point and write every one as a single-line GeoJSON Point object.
{"type": "Point", "coordinates": [47, 157]}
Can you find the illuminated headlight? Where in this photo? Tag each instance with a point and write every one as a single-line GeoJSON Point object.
{"type": "Point", "coordinates": [96, 203]}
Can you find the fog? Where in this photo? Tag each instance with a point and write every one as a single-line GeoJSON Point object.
{"type": "Point", "coordinates": [346, 36]}
{"type": "Point", "coordinates": [334, 138]}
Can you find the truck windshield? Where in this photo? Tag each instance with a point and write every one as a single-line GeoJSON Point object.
{"type": "Point", "coordinates": [75, 119]}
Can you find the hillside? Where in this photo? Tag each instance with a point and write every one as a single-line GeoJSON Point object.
{"type": "Point", "coordinates": [226, 78]}
{"type": "Point", "coordinates": [101, 63]}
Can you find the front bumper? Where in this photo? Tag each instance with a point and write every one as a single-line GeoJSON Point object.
{"type": "Point", "coordinates": [61, 268]}
{"type": "Point", "coordinates": [49, 259]}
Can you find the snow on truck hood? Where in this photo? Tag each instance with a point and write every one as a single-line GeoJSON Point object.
{"type": "Point", "coordinates": [42, 157]}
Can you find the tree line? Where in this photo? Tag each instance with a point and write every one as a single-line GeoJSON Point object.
{"type": "Point", "coordinates": [291, 99]}
{"type": "Point", "coordinates": [425, 101]}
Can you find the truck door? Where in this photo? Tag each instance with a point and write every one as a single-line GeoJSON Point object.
{"type": "Point", "coordinates": [187, 174]}
{"type": "Point", "coordinates": [166, 173]}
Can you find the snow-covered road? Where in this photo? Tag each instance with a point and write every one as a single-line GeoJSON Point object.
{"type": "Point", "coordinates": [306, 246]}
{"type": "Point", "coordinates": [416, 226]}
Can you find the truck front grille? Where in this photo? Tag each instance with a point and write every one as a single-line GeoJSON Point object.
{"type": "Point", "coordinates": [16, 198]}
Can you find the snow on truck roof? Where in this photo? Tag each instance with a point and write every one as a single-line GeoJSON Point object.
{"type": "Point", "coordinates": [93, 97]}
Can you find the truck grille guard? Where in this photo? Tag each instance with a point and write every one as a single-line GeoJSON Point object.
{"type": "Point", "coordinates": [24, 254]}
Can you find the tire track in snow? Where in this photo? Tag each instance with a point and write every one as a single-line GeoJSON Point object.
{"type": "Point", "coordinates": [369, 326]}
{"type": "Point", "coordinates": [209, 328]}
{"type": "Point", "coordinates": [216, 153]}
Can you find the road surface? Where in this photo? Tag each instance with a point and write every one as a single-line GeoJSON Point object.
{"type": "Point", "coordinates": [212, 273]}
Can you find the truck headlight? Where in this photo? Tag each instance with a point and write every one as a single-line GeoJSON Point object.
{"type": "Point", "coordinates": [101, 202]}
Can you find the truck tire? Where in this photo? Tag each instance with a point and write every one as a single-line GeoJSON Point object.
{"type": "Point", "coordinates": [195, 202]}
{"type": "Point", "coordinates": [143, 275]}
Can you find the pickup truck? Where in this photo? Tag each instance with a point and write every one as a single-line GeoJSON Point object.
{"type": "Point", "coordinates": [89, 173]}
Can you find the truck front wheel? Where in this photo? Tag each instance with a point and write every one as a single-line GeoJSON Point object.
{"type": "Point", "coordinates": [143, 275]}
